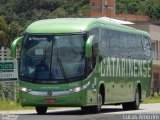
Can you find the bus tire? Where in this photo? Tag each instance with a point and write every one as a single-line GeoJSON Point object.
{"type": "Point", "coordinates": [135, 104]}
{"type": "Point", "coordinates": [41, 110]}
{"type": "Point", "coordinates": [86, 109]}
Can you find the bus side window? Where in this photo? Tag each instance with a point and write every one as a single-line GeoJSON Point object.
{"type": "Point", "coordinates": [146, 47]}
{"type": "Point", "coordinates": [95, 47]}
{"type": "Point", "coordinates": [94, 32]}
{"type": "Point", "coordinates": [139, 48]}
{"type": "Point", "coordinates": [114, 43]}
{"type": "Point", "coordinates": [131, 46]}
{"type": "Point", "coordinates": [104, 44]}
{"type": "Point", "coordinates": [123, 45]}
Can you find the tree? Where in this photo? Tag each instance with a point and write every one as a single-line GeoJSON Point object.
{"type": "Point", "coordinates": [18, 14]}
{"type": "Point", "coordinates": [3, 32]}
{"type": "Point", "coordinates": [127, 6]}
{"type": "Point", "coordinates": [14, 30]}
{"type": "Point", "coordinates": [143, 7]}
{"type": "Point", "coordinates": [153, 9]}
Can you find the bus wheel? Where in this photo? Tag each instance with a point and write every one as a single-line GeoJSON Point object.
{"type": "Point", "coordinates": [86, 109]}
{"type": "Point", "coordinates": [133, 105]}
{"type": "Point", "coordinates": [41, 110]}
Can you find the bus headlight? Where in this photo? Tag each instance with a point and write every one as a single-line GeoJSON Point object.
{"type": "Point", "coordinates": [24, 89]}
{"type": "Point", "coordinates": [77, 89]}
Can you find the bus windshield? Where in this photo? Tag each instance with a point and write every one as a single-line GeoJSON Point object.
{"type": "Point", "coordinates": [52, 58]}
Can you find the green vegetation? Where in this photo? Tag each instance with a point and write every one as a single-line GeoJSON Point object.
{"type": "Point", "coordinates": [142, 7]}
{"type": "Point", "coordinates": [16, 15]}
{"type": "Point", "coordinates": [154, 99]}
{"type": "Point", "coordinates": [11, 105]}
{"type": "Point", "coordinates": [3, 32]}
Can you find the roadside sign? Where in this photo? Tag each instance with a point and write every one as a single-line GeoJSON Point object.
{"type": "Point", "coordinates": [8, 70]}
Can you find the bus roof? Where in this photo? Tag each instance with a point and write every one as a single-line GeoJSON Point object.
{"type": "Point", "coordinates": [77, 25]}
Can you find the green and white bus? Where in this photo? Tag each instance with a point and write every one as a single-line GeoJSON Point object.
{"type": "Point", "coordinates": [83, 62]}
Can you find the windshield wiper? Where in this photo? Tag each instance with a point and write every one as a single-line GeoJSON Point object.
{"type": "Point", "coordinates": [62, 68]}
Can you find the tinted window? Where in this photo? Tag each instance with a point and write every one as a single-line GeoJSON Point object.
{"type": "Point", "coordinates": [95, 32]}
{"type": "Point", "coordinates": [146, 47]}
{"type": "Point", "coordinates": [67, 57]}
{"type": "Point", "coordinates": [131, 46]}
{"type": "Point", "coordinates": [138, 47]}
{"type": "Point", "coordinates": [123, 45]}
{"type": "Point", "coordinates": [52, 58]}
{"type": "Point", "coordinates": [104, 43]}
{"type": "Point", "coordinates": [114, 43]}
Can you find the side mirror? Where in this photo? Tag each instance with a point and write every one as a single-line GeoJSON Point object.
{"type": "Point", "coordinates": [14, 46]}
{"type": "Point", "coordinates": [88, 47]}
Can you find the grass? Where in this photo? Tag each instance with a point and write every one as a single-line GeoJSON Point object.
{"type": "Point", "coordinates": [11, 105]}
{"type": "Point", "coordinates": [153, 99]}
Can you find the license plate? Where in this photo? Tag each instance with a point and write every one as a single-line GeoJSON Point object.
{"type": "Point", "coordinates": [49, 101]}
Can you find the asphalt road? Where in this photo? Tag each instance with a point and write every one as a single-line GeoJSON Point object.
{"type": "Point", "coordinates": [146, 112]}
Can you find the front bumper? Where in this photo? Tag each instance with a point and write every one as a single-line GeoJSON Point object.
{"type": "Point", "coordinates": [37, 98]}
